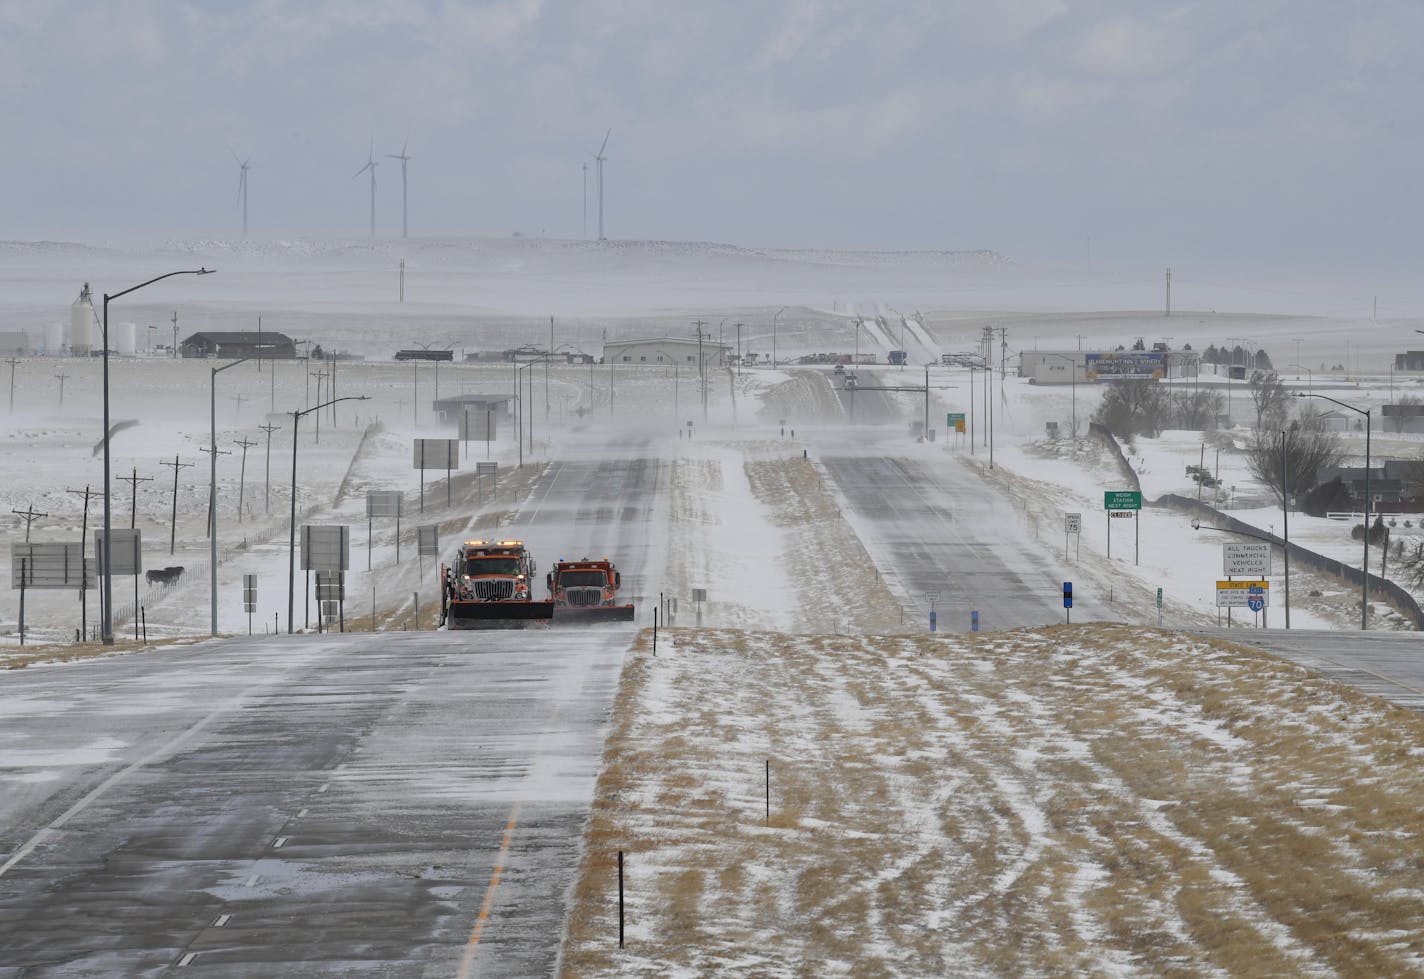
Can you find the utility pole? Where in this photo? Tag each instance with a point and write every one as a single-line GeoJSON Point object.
{"type": "Point", "coordinates": [63, 376]}
{"type": "Point", "coordinates": [173, 527]}
{"type": "Point", "coordinates": [267, 495]}
{"type": "Point", "coordinates": [242, 475]}
{"type": "Point", "coordinates": [175, 334]}
{"type": "Point", "coordinates": [133, 482]}
{"type": "Point", "coordinates": [29, 514]}
{"type": "Point", "coordinates": [1169, 292]}
{"type": "Point", "coordinates": [89, 493]}
{"type": "Point", "coordinates": [239, 398]}
{"type": "Point", "coordinates": [701, 369]}
{"type": "Point", "coordinates": [12, 362]}
{"type": "Point", "coordinates": [320, 376]}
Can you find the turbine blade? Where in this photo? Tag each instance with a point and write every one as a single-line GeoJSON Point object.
{"type": "Point", "coordinates": [605, 142]}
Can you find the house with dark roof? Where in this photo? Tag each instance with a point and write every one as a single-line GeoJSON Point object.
{"type": "Point", "coordinates": [242, 343]}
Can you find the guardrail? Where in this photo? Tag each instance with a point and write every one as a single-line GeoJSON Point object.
{"type": "Point", "coordinates": [1396, 597]}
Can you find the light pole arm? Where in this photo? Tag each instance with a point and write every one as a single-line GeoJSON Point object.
{"type": "Point", "coordinates": [159, 278]}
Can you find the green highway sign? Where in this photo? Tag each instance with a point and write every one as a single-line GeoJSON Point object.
{"type": "Point", "coordinates": [1122, 500]}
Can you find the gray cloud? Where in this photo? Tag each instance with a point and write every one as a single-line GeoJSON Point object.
{"type": "Point", "coordinates": [1269, 133]}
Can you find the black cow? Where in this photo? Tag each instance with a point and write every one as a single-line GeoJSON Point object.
{"type": "Point", "coordinates": [164, 576]}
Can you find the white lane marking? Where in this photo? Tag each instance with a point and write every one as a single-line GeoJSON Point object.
{"type": "Point", "coordinates": [302, 814]}
{"type": "Point", "coordinates": [222, 921]}
{"type": "Point", "coordinates": [281, 842]}
{"type": "Point", "coordinates": [324, 787]}
{"type": "Point", "coordinates": [188, 958]}
{"type": "Point", "coordinates": [252, 881]}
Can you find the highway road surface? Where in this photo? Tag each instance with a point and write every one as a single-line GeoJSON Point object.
{"type": "Point", "coordinates": [401, 804]}
{"type": "Point", "coordinates": [932, 527]}
{"type": "Point", "coordinates": [1382, 664]}
{"type": "Point", "coordinates": [301, 805]}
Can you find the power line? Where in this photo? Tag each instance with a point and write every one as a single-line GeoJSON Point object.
{"type": "Point", "coordinates": [134, 480]}
{"type": "Point", "coordinates": [29, 514]}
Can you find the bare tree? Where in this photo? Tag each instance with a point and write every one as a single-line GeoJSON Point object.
{"type": "Point", "coordinates": [1399, 421]}
{"type": "Point", "coordinates": [1133, 407]}
{"type": "Point", "coordinates": [1308, 449]}
{"type": "Point", "coordinates": [1271, 399]}
{"type": "Point", "coordinates": [1197, 410]}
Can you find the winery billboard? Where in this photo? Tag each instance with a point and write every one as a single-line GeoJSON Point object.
{"type": "Point", "coordinates": [1125, 364]}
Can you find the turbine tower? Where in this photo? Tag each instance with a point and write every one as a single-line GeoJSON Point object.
{"type": "Point", "coordinates": [404, 160]}
{"type": "Point", "coordinates": [371, 165]}
{"type": "Point", "coordinates": [598, 159]}
{"type": "Point", "coordinates": [241, 186]}
{"type": "Point", "coordinates": [585, 197]}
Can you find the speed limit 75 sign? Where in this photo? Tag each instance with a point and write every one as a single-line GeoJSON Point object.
{"type": "Point", "coordinates": [1073, 523]}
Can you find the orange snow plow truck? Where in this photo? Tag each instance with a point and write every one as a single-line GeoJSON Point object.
{"type": "Point", "coordinates": [489, 586]}
{"type": "Point", "coordinates": [586, 592]}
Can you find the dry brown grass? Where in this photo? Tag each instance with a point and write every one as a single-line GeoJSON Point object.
{"type": "Point", "coordinates": [1071, 800]}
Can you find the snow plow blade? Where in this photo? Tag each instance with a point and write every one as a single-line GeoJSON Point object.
{"type": "Point", "coordinates": [591, 614]}
{"type": "Point", "coordinates": [498, 615]}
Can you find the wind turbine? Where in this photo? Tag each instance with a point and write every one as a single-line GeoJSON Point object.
{"type": "Point", "coordinates": [241, 186]}
{"type": "Point", "coordinates": [585, 197]}
{"type": "Point", "coordinates": [371, 165]}
{"type": "Point", "coordinates": [404, 160]}
{"type": "Point", "coordinates": [598, 159]}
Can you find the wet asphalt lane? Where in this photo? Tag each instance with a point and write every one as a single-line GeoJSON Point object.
{"type": "Point", "coordinates": [301, 806]}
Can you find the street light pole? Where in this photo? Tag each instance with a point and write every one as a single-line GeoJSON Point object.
{"type": "Point", "coordinates": [773, 336]}
{"type": "Point", "coordinates": [106, 631]}
{"type": "Point", "coordinates": [1365, 567]}
{"type": "Point", "coordinates": [1285, 519]}
{"type": "Point", "coordinates": [213, 486]}
{"type": "Point", "coordinates": [292, 534]}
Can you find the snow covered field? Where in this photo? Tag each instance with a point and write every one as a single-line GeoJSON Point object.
{"type": "Point", "coordinates": [477, 295]}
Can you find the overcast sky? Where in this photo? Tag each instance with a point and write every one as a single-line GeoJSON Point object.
{"type": "Point", "coordinates": [1266, 133]}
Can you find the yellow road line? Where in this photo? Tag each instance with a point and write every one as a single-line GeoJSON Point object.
{"type": "Point", "coordinates": [474, 941]}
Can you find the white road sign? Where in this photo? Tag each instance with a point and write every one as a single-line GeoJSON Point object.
{"type": "Point", "coordinates": [1249, 558]}
{"type": "Point", "coordinates": [1073, 523]}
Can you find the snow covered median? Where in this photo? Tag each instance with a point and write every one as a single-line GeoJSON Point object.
{"type": "Point", "coordinates": [1070, 800]}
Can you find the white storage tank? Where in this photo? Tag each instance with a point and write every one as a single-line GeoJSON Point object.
{"type": "Point", "coordinates": [82, 324]}
{"type": "Point", "coordinates": [124, 337]}
{"type": "Point", "coordinates": [54, 339]}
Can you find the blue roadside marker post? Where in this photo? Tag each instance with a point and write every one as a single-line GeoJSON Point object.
{"type": "Point", "coordinates": [933, 619]}
{"type": "Point", "coordinates": [1068, 601]}
{"type": "Point", "coordinates": [974, 620]}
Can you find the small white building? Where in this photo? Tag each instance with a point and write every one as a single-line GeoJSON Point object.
{"type": "Point", "coordinates": [665, 352]}
{"type": "Point", "coordinates": [1053, 366]}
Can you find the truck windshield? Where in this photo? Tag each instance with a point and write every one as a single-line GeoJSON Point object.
{"type": "Point", "coordinates": [492, 565]}
{"type": "Point", "coordinates": [575, 579]}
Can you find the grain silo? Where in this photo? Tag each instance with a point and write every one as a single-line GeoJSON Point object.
{"type": "Point", "coordinates": [83, 324]}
